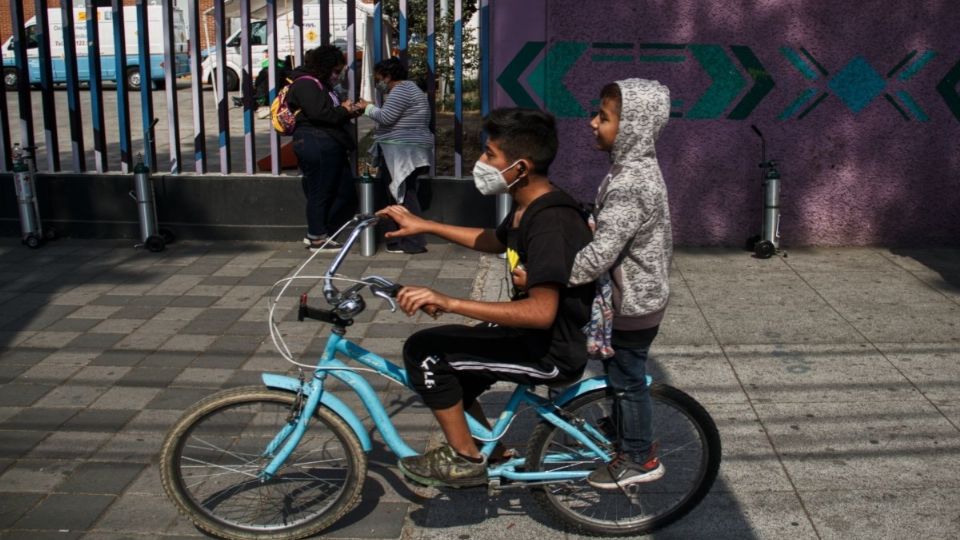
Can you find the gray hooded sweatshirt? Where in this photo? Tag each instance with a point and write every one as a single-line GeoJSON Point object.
{"type": "Point", "coordinates": [633, 237]}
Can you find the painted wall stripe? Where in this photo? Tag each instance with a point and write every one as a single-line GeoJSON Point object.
{"type": "Point", "coordinates": [798, 63]}
{"type": "Point", "coordinates": [893, 102]}
{"type": "Point", "coordinates": [805, 96]}
{"type": "Point", "coordinates": [914, 107]}
{"type": "Point", "coordinates": [915, 67]}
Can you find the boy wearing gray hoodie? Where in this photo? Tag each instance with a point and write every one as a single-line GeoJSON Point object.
{"type": "Point", "coordinates": [633, 245]}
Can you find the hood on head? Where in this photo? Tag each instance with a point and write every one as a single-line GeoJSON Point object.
{"type": "Point", "coordinates": [644, 110]}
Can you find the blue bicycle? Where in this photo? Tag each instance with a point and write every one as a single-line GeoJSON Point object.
{"type": "Point", "coordinates": [288, 460]}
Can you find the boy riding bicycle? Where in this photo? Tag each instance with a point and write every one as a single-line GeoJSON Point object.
{"type": "Point", "coordinates": [535, 339]}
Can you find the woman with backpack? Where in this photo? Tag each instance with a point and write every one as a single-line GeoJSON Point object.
{"type": "Point", "coordinates": [322, 143]}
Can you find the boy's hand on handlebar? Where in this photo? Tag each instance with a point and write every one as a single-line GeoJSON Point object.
{"type": "Point", "coordinates": [430, 301]}
{"type": "Point", "coordinates": [408, 223]}
{"type": "Point", "coordinates": [519, 275]}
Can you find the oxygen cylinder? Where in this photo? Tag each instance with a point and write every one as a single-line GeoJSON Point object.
{"type": "Point", "coordinates": [26, 199]}
{"type": "Point", "coordinates": [771, 206]}
{"type": "Point", "coordinates": [368, 239]}
{"type": "Point", "coordinates": [146, 207]}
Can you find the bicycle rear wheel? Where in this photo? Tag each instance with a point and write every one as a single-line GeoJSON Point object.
{"type": "Point", "coordinates": [689, 449]}
{"type": "Point", "coordinates": [211, 460]}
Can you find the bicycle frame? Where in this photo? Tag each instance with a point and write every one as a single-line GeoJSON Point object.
{"type": "Point", "coordinates": [288, 438]}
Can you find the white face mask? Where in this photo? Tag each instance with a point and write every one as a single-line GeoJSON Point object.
{"type": "Point", "coordinates": [490, 181]}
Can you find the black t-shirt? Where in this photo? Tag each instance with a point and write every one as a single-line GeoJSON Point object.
{"type": "Point", "coordinates": [554, 235]}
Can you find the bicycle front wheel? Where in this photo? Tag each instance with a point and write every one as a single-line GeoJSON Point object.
{"type": "Point", "coordinates": [689, 450]}
{"type": "Point", "coordinates": [212, 459]}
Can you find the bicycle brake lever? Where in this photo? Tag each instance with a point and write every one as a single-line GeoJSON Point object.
{"type": "Point", "coordinates": [386, 296]}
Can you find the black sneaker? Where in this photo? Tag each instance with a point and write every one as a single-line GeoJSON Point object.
{"type": "Point", "coordinates": [443, 466]}
{"type": "Point", "coordinates": [622, 471]}
{"type": "Point", "coordinates": [324, 244]}
{"type": "Point", "coordinates": [405, 251]}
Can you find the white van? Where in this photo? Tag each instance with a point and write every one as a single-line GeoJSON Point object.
{"type": "Point", "coordinates": [285, 39]}
{"type": "Point", "coordinates": [107, 49]}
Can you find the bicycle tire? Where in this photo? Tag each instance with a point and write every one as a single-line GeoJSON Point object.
{"type": "Point", "coordinates": [689, 449]}
{"type": "Point", "coordinates": [228, 499]}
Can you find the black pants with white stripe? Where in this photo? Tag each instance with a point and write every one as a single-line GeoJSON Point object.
{"type": "Point", "coordinates": [446, 364]}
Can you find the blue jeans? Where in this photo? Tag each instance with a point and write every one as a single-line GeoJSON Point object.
{"type": "Point", "coordinates": [627, 377]}
{"type": "Point", "coordinates": [327, 182]}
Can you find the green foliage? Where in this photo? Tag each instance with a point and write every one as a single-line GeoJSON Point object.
{"type": "Point", "coordinates": [417, 47]}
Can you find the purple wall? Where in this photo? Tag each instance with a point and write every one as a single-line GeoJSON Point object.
{"type": "Point", "coordinates": [858, 100]}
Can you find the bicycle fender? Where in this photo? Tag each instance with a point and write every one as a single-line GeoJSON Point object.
{"type": "Point", "coordinates": [332, 402]}
{"type": "Point", "coordinates": [584, 386]}
{"type": "Point", "coordinates": [581, 387]}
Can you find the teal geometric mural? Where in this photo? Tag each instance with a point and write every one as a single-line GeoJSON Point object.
{"type": "Point", "coordinates": [857, 84]}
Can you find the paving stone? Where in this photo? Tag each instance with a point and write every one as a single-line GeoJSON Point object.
{"type": "Point", "coordinates": [94, 312]}
{"type": "Point", "coordinates": [14, 505]}
{"type": "Point", "coordinates": [25, 357]}
{"type": "Point", "coordinates": [67, 359]}
{"type": "Point", "coordinates": [51, 339]}
{"type": "Point", "coordinates": [153, 377]}
{"type": "Point", "coordinates": [153, 421]}
{"type": "Point", "coordinates": [72, 325]}
{"type": "Point", "coordinates": [186, 342]}
{"type": "Point", "coordinates": [124, 397]}
{"type": "Point", "coordinates": [15, 444]}
{"type": "Point", "coordinates": [95, 341]}
{"type": "Point", "coordinates": [101, 421]}
{"type": "Point", "coordinates": [138, 514]}
{"type": "Point", "coordinates": [114, 300]}
{"type": "Point", "coordinates": [370, 519]}
{"type": "Point", "coordinates": [207, 327]}
{"type": "Point", "coordinates": [38, 419]}
{"type": "Point", "coordinates": [71, 396]}
{"type": "Point", "coordinates": [9, 373]}
{"type": "Point", "coordinates": [116, 325]}
{"type": "Point", "coordinates": [169, 359]}
{"type": "Point", "coordinates": [140, 447]}
{"type": "Point", "coordinates": [236, 344]}
{"type": "Point", "coordinates": [65, 511]}
{"type": "Point", "coordinates": [108, 478]}
{"type": "Point", "coordinates": [119, 358]}
{"type": "Point", "coordinates": [23, 534]}
{"type": "Point", "coordinates": [70, 445]}
{"type": "Point", "coordinates": [194, 301]}
{"type": "Point", "coordinates": [22, 395]}
{"type": "Point", "coordinates": [36, 476]}
{"type": "Point", "coordinates": [137, 311]}
{"type": "Point", "coordinates": [220, 360]}
{"type": "Point", "coordinates": [203, 377]}
{"type": "Point", "coordinates": [98, 375]}
{"type": "Point", "coordinates": [44, 373]}
{"type": "Point", "coordinates": [178, 398]}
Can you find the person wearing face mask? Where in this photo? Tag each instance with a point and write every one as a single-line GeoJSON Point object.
{"type": "Point", "coordinates": [403, 145]}
{"type": "Point", "coordinates": [534, 339]}
{"type": "Point", "coordinates": [322, 143]}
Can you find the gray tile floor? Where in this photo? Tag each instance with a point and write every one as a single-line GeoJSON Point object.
{"type": "Point", "coordinates": [831, 373]}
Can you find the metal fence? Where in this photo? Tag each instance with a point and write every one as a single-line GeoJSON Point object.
{"type": "Point", "coordinates": [113, 142]}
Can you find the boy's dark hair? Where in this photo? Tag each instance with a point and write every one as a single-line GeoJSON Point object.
{"type": "Point", "coordinates": [391, 67]}
{"type": "Point", "coordinates": [612, 92]}
{"type": "Point", "coordinates": [524, 133]}
{"type": "Point", "coordinates": [322, 60]}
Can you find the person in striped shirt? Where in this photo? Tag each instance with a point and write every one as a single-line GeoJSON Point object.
{"type": "Point", "coordinates": [403, 146]}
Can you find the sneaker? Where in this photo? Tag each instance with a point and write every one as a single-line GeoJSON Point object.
{"type": "Point", "coordinates": [623, 472]}
{"type": "Point", "coordinates": [443, 466]}
{"type": "Point", "coordinates": [407, 251]}
{"type": "Point", "coordinates": [324, 244]}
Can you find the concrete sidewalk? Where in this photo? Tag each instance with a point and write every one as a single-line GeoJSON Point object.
{"type": "Point", "coordinates": [832, 374]}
